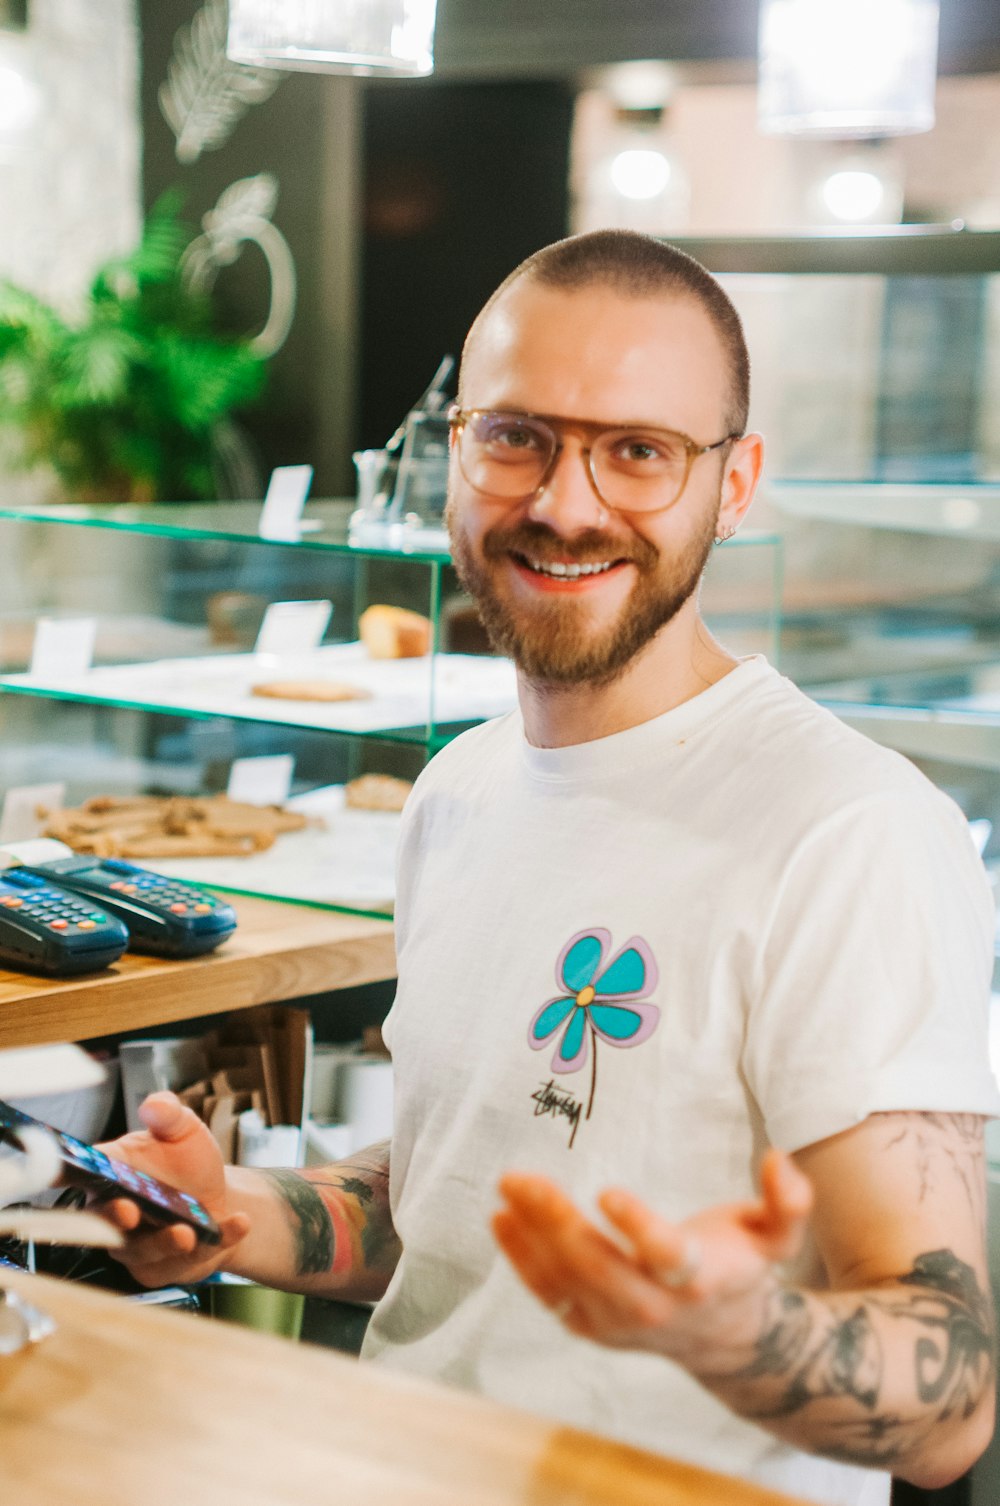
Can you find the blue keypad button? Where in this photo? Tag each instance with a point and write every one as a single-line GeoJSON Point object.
{"type": "Point", "coordinates": [24, 880]}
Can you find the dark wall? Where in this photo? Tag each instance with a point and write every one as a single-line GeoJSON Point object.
{"type": "Point", "coordinates": [278, 136]}
{"type": "Point", "coordinates": [461, 182]}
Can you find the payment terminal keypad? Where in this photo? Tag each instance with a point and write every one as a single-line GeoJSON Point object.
{"type": "Point", "coordinates": [165, 916]}
{"type": "Point", "coordinates": [44, 928]}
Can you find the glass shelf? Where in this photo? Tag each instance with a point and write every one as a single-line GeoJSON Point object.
{"type": "Point", "coordinates": [961, 510]}
{"type": "Point", "coordinates": [405, 700]}
{"type": "Point", "coordinates": [324, 525]}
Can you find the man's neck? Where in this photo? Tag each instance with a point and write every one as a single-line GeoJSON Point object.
{"type": "Point", "coordinates": [678, 664]}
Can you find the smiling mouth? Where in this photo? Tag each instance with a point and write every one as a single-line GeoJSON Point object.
{"type": "Point", "coordinates": [566, 569]}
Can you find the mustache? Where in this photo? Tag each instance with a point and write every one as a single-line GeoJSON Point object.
{"type": "Point", "coordinates": [591, 547]}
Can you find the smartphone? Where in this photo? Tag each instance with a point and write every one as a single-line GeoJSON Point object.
{"type": "Point", "coordinates": [89, 1168]}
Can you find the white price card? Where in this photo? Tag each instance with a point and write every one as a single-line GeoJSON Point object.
{"type": "Point", "coordinates": [261, 781]}
{"type": "Point", "coordinates": [63, 647]}
{"type": "Point", "coordinates": [19, 818]}
{"type": "Point", "coordinates": [287, 490]}
{"type": "Point", "coordinates": [293, 627]}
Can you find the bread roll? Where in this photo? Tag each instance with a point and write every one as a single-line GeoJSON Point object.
{"type": "Point", "coordinates": [394, 633]}
{"type": "Point", "coordinates": [376, 792]}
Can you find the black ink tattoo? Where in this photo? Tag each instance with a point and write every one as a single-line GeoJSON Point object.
{"type": "Point", "coordinates": [950, 1360]}
{"type": "Point", "coordinates": [817, 1352]}
{"type": "Point", "coordinates": [313, 1229]}
{"type": "Point", "coordinates": [356, 1188]}
{"type": "Point", "coordinates": [939, 1142]}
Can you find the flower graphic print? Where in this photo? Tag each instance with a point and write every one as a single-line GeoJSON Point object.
{"type": "Point", "coordinates": [600, 1000]}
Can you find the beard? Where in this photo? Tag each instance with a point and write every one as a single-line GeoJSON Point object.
{"type": "Point", "coordinates": [549, 641]}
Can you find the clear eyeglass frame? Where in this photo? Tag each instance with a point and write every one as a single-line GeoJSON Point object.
{"type": "Point", "coordinates": [628, 494]}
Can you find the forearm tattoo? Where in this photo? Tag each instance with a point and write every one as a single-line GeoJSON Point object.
{"type": "Point", "coordinates": [817, 1349]}
{"type": "Point", "coordinates": [340, 1215]}
{"type": "Point", "coordinates": [871, 1376]}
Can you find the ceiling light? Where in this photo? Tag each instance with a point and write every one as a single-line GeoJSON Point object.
{"type": "Point", "coordinates": [640, 173]}
{"type": "Point", "coordinates": [387, 37]}
{"type": "Point", "coordinates": [847, 68]}
{"type": "Point", "coordinates": [853, 195]}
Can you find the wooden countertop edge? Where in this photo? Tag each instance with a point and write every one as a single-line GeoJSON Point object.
{"type": "Point", "coordinates": [404, 1439]}
{"type": "Point", "coordinates": [281, 951]}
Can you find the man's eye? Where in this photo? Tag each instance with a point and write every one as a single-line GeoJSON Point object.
{"type": "Point", "coordinates": [514, 438]}
{"type": "Point", "coordinates": [640, 451]}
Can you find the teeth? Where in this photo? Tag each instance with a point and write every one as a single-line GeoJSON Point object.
{"type": "Point", "coordinates": [568, 572]}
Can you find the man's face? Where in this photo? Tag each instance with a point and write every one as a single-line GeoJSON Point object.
{"type": "Point", "coordinates": [588, 354]}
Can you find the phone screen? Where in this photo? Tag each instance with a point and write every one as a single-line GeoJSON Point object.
{"type": "Point", "coordinates": [86, 1166]}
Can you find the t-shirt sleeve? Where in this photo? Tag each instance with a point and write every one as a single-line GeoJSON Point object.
{"type": "Point", "coordinates": [872, 986]}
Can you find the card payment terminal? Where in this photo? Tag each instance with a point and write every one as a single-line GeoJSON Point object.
{"type": "Point", "coordinates": [46, 930]}
{"type": "Point", "coordinates": [164, 916]}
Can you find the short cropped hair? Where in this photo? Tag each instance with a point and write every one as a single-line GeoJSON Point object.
{"type": "Point", "coordinates": [640, 266]}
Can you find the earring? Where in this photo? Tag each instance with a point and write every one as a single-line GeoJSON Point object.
{"type": "Point", "coordinates": [727, 533]}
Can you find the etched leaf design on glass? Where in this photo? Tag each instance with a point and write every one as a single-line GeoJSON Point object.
{"type": "Point", "coordinates": [205, 94]}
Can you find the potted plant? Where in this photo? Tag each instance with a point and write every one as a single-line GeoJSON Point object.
{"type": "Point", "coordinates": [123, 402]}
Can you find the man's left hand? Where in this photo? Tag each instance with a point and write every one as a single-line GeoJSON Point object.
{"type": "Point", "coordinates": [651, 1284]}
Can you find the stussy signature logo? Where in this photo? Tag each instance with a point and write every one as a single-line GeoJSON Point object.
{"type": "Point", "coordinates": [601, 1000]}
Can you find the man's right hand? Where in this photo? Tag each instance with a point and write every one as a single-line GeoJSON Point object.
{"type": "Point", "coordinates": [178, 1148]}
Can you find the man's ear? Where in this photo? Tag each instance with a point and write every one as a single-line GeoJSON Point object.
{"type": "Point", "coordinates": [739, 481]}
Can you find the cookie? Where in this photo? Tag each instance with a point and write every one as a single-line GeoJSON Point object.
{"type": "Point", "coordinates": [310, 690]}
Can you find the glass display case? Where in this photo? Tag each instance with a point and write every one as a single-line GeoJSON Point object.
{"type": "Point", "coordinates": [876, 382]}
{"type": "Point", "coordinates": [173, 695]}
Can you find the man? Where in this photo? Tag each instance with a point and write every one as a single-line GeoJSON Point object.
{"type": "Point", "coordinates": [672, 929]}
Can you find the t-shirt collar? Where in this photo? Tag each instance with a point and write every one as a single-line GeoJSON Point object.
{"type": "Point", "coordinates": [622, 751]}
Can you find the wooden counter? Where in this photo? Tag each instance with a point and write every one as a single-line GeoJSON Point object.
{"type": "Point", "coordinates": [280, 951]}
{"type": "Point", "coordinates": [126, 1405]}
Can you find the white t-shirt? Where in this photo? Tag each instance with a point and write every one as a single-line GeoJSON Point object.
{"type": "Point", "coordinates": [786, 928]}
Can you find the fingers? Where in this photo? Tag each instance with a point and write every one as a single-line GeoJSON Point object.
{"type": "Point", "coordinates": [671, 1254]}
{"type": "Point", "coordinates": [564, 1259]}
{"type": "Point", "coordinates": [786, 1203]}
{"type": "Point", "coordinates": [167, 1118]}
{"type": "Point", "coordinates": [162, 1256]}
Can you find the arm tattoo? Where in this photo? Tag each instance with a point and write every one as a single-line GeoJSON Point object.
{"type": "Point", "coordinates": [340, 1214]}
{"type": "Point", "coordinates": [959, 1332]}
{"type": "Point", "coordinates": [313, 1228]}
{"type": "Point", "coordinates": [943, 1143]}
{"type": "Point", "coordinates": [818, 1349]}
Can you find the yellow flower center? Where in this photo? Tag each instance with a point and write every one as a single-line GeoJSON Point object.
{"type": "Point", "coordinates": [585, 996]}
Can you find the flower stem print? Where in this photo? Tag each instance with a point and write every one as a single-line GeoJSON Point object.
{"type": "Point", "coordinates": [600, 998]}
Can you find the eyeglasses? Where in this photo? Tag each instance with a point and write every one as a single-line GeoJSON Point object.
{"type": "Point", "coordinates": [632, 467]}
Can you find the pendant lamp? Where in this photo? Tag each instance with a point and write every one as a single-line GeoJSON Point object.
{"type": "Point", "coordinates": [392, 38]}
{"type": "Point", "coordinates": [847, 68]}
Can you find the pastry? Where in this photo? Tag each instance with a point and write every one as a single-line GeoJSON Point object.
{"type": "Point", "coordinates": [171, 826]}
{"type": "Point", "coordinates": [310, 690]}
{"type": "Point", "coordinates": [376, 792]}
{"type": "Point", "coordinates": [394, 633]}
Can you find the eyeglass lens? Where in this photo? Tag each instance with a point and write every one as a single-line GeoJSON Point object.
{"type": "Point", "coordinates": [510, 455]}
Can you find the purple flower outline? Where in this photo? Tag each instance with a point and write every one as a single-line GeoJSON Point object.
{"type": "Point", "coordinates": [601, 997]}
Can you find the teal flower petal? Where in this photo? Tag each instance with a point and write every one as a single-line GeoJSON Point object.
{"type": "Point", "coordinates": [581, 962]}
{"type": "Point", "coordinates": [624, 1024]}
{"type": "Point", "coordinates": [626, 975]}
{"type": "Point", "coordinates": [548, 1019]}
{"type": "Point", "coordinates": [573, 1039]}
